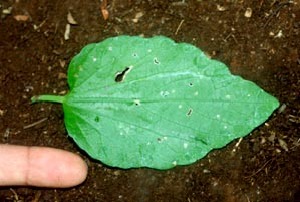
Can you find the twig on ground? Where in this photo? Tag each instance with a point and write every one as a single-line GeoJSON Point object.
{"type": "Point", "coordinates": [259, 169]}
{"type": "Point", "coordinates": [35, 123]}
{"type": "Point", "coordinates": [179, 26]}
{"type": "Point", "coordinates": [104, 10]}
{"type": "Point", "coordinates": [16, 197]}
{"type": "Point", "coordinates": [274, 13]}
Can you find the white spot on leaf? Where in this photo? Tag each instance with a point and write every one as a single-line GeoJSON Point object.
{"type": "Point", "coordinates": [196, 93]}
{"type": "Point", "coordinates": [185, 145]}
{"type": "Point", "coordinates": [124, 130]}
{"type": "Point", "coordinates": [110, 48]}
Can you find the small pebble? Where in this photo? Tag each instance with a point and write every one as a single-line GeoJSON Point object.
{"type": "Point", "coordinates": [248, 13]}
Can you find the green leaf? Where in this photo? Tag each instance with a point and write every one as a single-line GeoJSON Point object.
{"type": "Point", "coordinates": [151, 102]}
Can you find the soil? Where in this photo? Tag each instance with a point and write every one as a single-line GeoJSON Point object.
{"type": "Point", "coordinates": [258, 40]}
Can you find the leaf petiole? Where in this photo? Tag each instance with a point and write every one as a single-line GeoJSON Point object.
{"type": "Point", "coordinates": [48, 98]}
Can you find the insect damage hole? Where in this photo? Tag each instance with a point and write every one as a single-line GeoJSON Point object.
{"type": "Point", "coordinates": [156, 61]}
{"type": "Point", "coordinates": [120, 76]}
{"type": "Point", "coordinates": [137, 102]}
{"type": "Point", "coordinates": [189, 113]}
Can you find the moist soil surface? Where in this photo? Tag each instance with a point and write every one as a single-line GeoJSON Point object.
{"type": "Point", "coordinates": [258, 40]}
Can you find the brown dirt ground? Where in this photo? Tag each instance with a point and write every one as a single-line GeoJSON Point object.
{"type": "Point", "coordinates": [263, 48]}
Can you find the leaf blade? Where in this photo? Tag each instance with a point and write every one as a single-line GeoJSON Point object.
{"type": "Point", "coordinates": [171, 108]}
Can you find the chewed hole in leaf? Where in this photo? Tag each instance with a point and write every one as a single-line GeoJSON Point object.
{"type": "Point", "coordinates": [164, 93]}
{"type": "Point", "coordinates": [156, 61]}
{"type": "Point", "coordinates": [162, 139]}
{"type": "Point", "coordinates": [137, 102]}
{"type": "Point", "coordinates": [189, 113]}
{"type": "Point", "coordinates": [120, 76]}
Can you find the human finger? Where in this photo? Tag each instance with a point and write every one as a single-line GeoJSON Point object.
{"type": "Point", "coordinates": [40, 166]}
